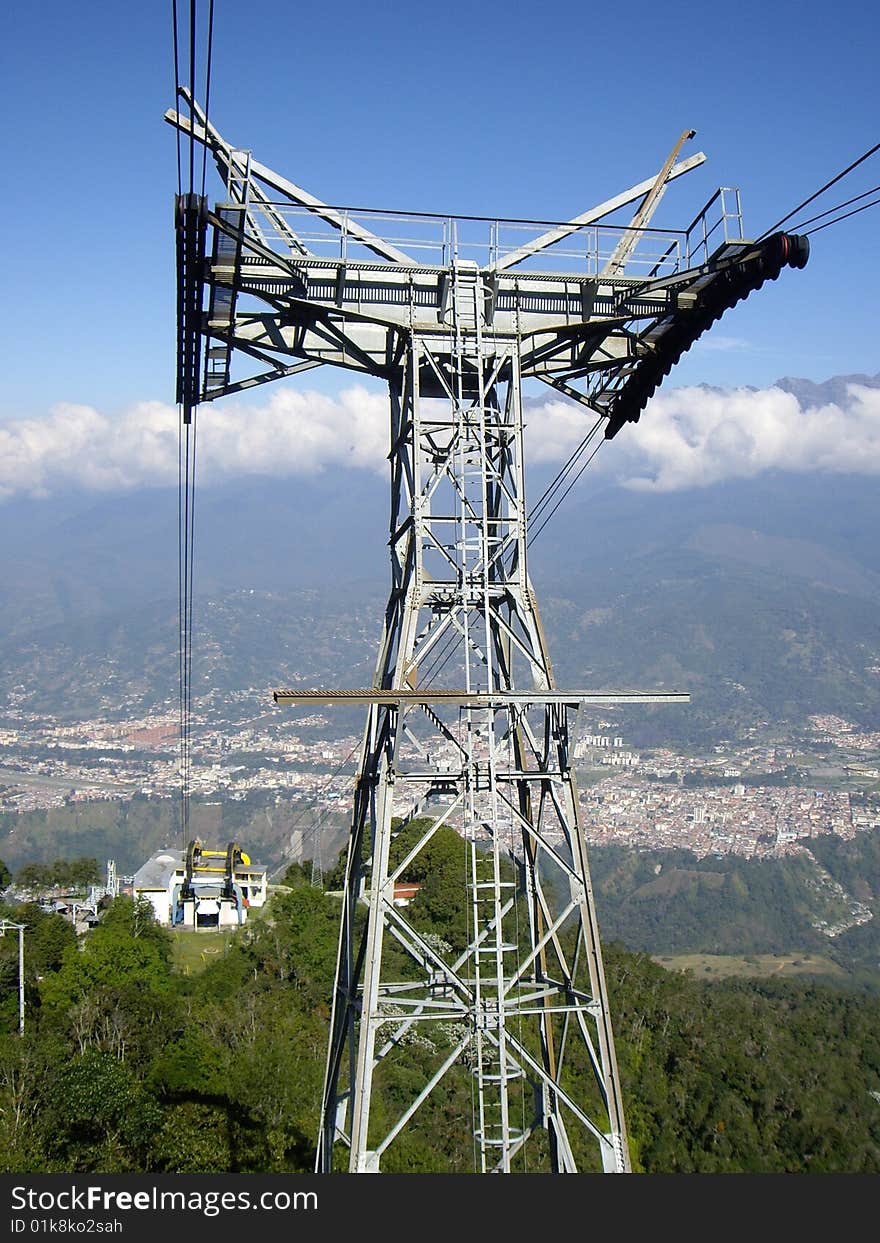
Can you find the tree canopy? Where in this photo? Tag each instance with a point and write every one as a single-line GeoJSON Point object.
{"type": "Point", "coordinates": [128, 1064]}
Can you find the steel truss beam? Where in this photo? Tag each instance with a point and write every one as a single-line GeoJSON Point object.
{"type": "Point", "coordinates": [519, 1005]}
{"type": "Point", "coordinates": [465, 725]}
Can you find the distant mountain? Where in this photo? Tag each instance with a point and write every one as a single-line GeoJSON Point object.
{"type": "Point", "coordinates": [759, 596]}
{"type": "Point", "coordinates": [80, 556]}
{"type": "Point", "coordinates": [795, 558]}
{"type": "Point", "coordinates": [602, 525]}
{"type": "Point", "coordinates": [828, 392]}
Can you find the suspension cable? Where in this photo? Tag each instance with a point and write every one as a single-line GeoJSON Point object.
{"type": "Point", "coordinates": [553, 489]}
{"type": "Point", "coordinates": [559, 501]}
{"type": "Point", "coordinates": [845, 216]}
{"type": "Point", "coordinates": [797, 228]}
{"type": "Point", "coordinates": [176, 90]}
{"type": "Point", "coordinates": [821, 190]}
{"type": "Point", "coordinates": [192, 92]}
{"type": "Point", "coordinates": [181, 643]}
{"type": "Point", "coordinates": [180, 474]}
{"type": "Point", "coordinates": [208, 88]}
{"type": "Point", "coordinates": [188, 421]}
{"type": "Point", "coordinates": [552, 496]}
{"type": "Point", "coordinates": [567, 467]}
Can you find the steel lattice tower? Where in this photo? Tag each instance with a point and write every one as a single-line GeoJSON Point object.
{"type": "Point", "coordinates": [465, 724]}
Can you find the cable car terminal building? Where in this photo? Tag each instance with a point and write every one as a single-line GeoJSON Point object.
{"type": "Point", "coordinates": [201, 888]}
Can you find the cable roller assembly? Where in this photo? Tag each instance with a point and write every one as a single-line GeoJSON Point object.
{"type": "Point", "coordinates": [724, 288]}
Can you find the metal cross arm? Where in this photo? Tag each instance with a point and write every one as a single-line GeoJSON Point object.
{"type": "Point", "coordinates": [477, 699]}
{"type": "Point", "coordinates": [224, 155]}
{"type": "Point", "coordinates": [740, 270]}
{"type": "Point", "coordinates": [646, 210]}
{"type": "Point", "coordinates": [597, 213]}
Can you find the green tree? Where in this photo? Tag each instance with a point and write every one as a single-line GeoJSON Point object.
{"type": "Point", "coordinates": [46, 938]}
{"type": "Point", "coordinates": [125, 958]}
{"type": "Point", "coordinates": [33, 877]}
{"type": "Point", "coordinates": [83, 872]}
{"type": "Point", "coordinates": [47, 935]}
{"type": "Point", "coordinates": [73, 874]}
{"type": "Point", "coordinates": [25, 1066]}
{"type": "Point", "coordinates": [98, 1116]}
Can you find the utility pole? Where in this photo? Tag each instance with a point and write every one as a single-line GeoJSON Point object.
{"type": "Point", "coordinates": [466, 726]}
{"type": "Point", "coordinates": [7, 925]}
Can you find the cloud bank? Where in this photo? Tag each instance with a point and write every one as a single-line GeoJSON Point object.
{"type": "Point", "coordinates": [687, 437]}
{"type": "Point", "coordinates": [693, 437]}
{"type": "Point", "coordinates": [294, 433]}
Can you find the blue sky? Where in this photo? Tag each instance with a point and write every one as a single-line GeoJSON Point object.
{"type": "Point", "coordinates": [498, 109]}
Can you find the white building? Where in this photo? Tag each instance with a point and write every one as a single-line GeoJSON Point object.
{"type": "Point", "coordinates": [213, 898]}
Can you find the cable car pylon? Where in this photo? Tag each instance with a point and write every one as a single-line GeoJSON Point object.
{"type": "Point", "coordinates": [466, 727]}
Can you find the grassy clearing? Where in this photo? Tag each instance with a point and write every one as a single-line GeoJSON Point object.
{"type": "Point", "coordinates": [719, 967]}
{"type": "Point", "coordinates": [193, 950]}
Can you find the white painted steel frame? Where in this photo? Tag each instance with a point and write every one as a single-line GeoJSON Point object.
{"type": "Point", "coordinates": [459, 574]}
{"type": "Point", "coordinates": [521, 1006]}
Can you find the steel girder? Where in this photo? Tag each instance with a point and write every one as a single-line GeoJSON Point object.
{"type": "Point", "coordinates": [517, 1003]}
{"type": "Point", "coordinates": [293, 312]}
{"type": "Point", "coordinates": [514, 1001]}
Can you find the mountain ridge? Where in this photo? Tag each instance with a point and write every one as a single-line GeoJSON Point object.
{"type": "Point", "coordinates": [699, 587]}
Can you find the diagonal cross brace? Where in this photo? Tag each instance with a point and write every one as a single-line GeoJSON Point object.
{"type": "Point", "coordinates": [593, 215]}
{"type": "Point", "coordinates": [212, 139]}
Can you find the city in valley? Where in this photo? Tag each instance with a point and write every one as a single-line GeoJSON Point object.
{"type": "Point", "coordinates": [761, 795]}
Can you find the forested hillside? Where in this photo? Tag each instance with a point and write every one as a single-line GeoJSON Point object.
{"type": "Point", "coordinates": [662, 902]}
{"type": "Point", "coordinates": [129, 1064]}
{"type": "Point", "coordinates": [823, 901]}
{"type": "Point", "coordinates": [129, 831]}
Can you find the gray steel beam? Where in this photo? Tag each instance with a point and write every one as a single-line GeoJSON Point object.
{"type": "Point", "coordinates": [594, 215]}
{"type": "Point", "coordinates": [525, 989]}
{"type": "Point", "coordinates": [476, 699]}
{"type": "Point", "coordinates": [295, 193]}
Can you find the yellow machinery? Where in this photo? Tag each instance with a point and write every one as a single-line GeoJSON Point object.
{"type": "Point", "coordinates": [203, 866]}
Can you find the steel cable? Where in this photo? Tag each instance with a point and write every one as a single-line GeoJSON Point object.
{"type": "Point", "coordinates": [548, 517]}
{"type": "Point", "coordinates": [821, 190]}
{"type": "Point", "coordinates": [188, 423]}
{"type": "Point", "coordinates": [208, 88]}
{"type": "Point", "coordinates": [559, 478]}
{"type": "Point", "coordinates": [839, 207]}
{"type": "Point", "coordinates": [176, 90]}
{"type": "Point", "coordinates": [845, 216]}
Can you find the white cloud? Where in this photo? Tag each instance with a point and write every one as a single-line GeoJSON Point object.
{"type": "Point", "coordinates": [554, 429]}
{"type": "Point", "coordinates": [294, 433]}
{"type": "Point", "coordinates": [693, 437]}
{"type": "Point", "coordinates": [687, 437]}
{"type": "Point", "coordinates": [722, 345]}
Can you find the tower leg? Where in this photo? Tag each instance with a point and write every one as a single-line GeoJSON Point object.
{"type": "Point", "coordinates": [514, 1001]}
